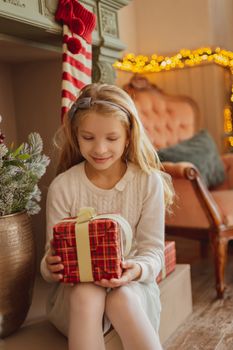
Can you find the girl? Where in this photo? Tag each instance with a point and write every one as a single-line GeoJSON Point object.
{"type": "Point", "coordinates": [108, 163]}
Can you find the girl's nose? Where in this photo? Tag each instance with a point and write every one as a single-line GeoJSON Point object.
{"type": "Point", "coordinates": [100, 148]}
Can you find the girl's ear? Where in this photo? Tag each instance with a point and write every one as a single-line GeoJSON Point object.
{"type": "Point", "coordinates": [127, 142]}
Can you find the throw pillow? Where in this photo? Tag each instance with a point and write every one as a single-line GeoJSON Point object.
{"type": "Point", "coordinates": [200, 150]}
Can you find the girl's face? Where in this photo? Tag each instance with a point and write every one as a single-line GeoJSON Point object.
{"type": "Point", "coordinates": [102, 141]}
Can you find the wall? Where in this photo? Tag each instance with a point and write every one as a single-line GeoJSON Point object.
{"type": "Point", "coordinates": [221, 13]}
{"type": "Point", "coordinates": [37, 95]}
{"type": "Point", "coordinates": [7, 106]}
{"type": "Point", "coordinates": [128, 33]}
{"type": "Point", "coordinates": [128, 30]}
{"type": "Point", "coordinates": [166, 26]}
{"type": "Point", "coordinates": [161, 27]}
{"type": "Point", "coordinates": [30, 99]}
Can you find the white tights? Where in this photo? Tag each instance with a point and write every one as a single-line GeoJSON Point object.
{"type": "Point", "coordinates": [89, 302]}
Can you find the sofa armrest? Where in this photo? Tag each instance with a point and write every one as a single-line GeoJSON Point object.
{"type": "Point", "coordinates": [180, 169]}
{"type": "Point", "coordinates": [194, 202]}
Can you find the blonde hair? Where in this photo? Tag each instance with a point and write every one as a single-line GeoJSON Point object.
{"type": "Point", "coordinates": [140, 150]}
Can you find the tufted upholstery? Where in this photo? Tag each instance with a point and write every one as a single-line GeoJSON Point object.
{"type": "Point", "coordinates": [198, 213]}
{"type": "Point", "coordinates": [167, 119]}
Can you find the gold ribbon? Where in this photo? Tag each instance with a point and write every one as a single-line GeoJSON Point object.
{"type": "Point", "coordinates": [83, 243]}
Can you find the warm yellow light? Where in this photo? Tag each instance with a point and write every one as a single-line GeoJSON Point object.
{"type": "Point", "coordinates": [227, 120]}
{"type": "Point", "coordinates": [184, 57]}
{"type": "Point", "coordinates": [230, 140]}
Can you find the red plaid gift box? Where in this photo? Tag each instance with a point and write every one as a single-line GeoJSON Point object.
{"type": "Point", "coordinates": [170, 260]}
{"type": "Point", "coordinates": [90, 246]}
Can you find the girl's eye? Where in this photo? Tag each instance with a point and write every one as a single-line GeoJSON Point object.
{"type": "Point", "coordinates": [112, 138]}
{"type": "Point", "coordinates": [87, 138]}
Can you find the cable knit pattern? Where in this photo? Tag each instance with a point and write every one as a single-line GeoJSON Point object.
{"type": "Point", "coordinates": [138, 197]}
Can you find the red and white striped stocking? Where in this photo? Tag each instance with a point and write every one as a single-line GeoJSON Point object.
{"type": "Point", "coordinates": [78, 25]}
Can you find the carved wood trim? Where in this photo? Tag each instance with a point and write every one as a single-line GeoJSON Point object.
{"type": "Point", "coordinates": [108, 20]}
{"type": "Point", "coordinates": [18, 3]}
{"type": "Point", "coordinates": [48, 8]}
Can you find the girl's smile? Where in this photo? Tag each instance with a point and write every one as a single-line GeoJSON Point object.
{"type": "Point", "coordinates": [102, 141]}
{"type": "Point", "coordinates": [101, 159]}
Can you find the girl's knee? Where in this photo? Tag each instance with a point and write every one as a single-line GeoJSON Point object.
{"type": "Point", "coordinates": [121, 298]}
{"type": "Point", "coordinates": [86, 295]}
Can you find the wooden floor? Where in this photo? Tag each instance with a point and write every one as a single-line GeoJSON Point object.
{"type": "Point", "coordinates": [210, 327]}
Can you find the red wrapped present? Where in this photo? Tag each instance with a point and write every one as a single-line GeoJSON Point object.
{"type": "Point", "coordinates": [170, 260]}
{"type": "Point", "coordinates": [90, 246]}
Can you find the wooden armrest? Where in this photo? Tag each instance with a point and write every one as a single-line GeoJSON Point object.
{"type": "Point", "coordinates": [181, 169]}
{"type": "Point", "coordinates": [187, 172]}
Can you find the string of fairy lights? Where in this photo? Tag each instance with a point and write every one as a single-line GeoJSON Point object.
{"type": "Point", "coordinates": [184, 58]}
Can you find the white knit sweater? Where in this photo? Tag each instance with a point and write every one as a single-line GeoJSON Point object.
{"type": "Point", "coordinates": [138, 197]}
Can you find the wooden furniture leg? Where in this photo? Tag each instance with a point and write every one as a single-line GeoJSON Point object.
{"type": "Point", "coordinates": [219, 246]}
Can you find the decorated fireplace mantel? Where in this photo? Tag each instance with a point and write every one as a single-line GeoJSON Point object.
{"type": "Point", "coordinates": [34, 20]}
{"type": "Point", "coordinates": [106, 43]}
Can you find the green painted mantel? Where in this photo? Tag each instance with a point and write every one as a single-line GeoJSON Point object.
{"type": "Point", "coordinates": [34, 20]}
{"type": "Point", "coordinates": [107, 46]}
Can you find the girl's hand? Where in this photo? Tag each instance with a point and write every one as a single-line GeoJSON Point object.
{"type": "Point", "coordinates": [131, 272]}
{"type": "Point", "coordinates": [54, 265]}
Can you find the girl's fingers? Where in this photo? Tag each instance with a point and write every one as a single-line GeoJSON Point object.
{"type": "Point", "coordinates": [54, 264]}
{"type": "Point", "coordinates": [114, 282]}
{"type": "Point", "coordinates": [132, 271]}
{"type": "Point", "coordinates": [56, 268]}
{"type": "Point", "coordinates": [127, 264]}
{"type": "Point", "coordinates": [105, 284]}
{"type": "Point", "coordinates": [132, 268]}
{"type": "Point", "coordinates": [125, 278]}
{"type": "Point", "coordinates": [53, 259]}
{"type": "Point", "coordinates": [57, 277]}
